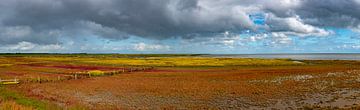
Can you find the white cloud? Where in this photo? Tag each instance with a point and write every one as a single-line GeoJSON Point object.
{"type": "Point", "coordinates": [257, 37]}
{"type": "Point", "coordinates": [50, 47]}
{"type": "Point", "coordinates": [22, 46]}
{"type": "Point", "coordinates": [150, 47]}
{"type": "Point", "coordinates": [280, 38]}
{"type": "Point", "coordinates": [28, 46]}
{"type": "Point", "coordinates": [294, 26]}
{"type": "Point", "coordinates": [356, 29]}
{"type": "Point", "coordinates": [349, 46]}
{"type": "Point", "coordinates": [281, 5]}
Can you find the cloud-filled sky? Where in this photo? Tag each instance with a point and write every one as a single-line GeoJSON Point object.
{"type": "Point", "coordinates": [180, 26]}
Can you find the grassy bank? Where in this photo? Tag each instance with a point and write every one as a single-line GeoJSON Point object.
{"type": "Point", "coordinates": [12, 100]}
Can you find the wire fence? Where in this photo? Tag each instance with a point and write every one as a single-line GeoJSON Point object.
{"type": "Point", "coordinates": [73, 76]}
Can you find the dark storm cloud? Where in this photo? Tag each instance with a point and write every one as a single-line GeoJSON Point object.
{"type": "Point", "coordinates": [333, 13]}
{"type": "Point", "coordinates": [144, 18]}
{"type": "Point", "coordinates": [45, 21]}
{"type": "Point", "coordinates": [339, 13]}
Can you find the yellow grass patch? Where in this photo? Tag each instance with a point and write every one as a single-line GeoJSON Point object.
{"type": "Point", "coordinates": [176, 61]}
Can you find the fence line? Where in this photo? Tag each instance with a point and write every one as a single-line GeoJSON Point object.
{"type": "Point", "coordinates": [9, 81]}
{"type": "Point", "coordinates": [83, 75]}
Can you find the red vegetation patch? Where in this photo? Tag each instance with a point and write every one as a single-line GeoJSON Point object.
{"type": "Point", "coordinates": [177, 71]}
{"type": "Point", "coordinates": [14, 74]}
{"type": "Point", "coordinates": [77, 67]}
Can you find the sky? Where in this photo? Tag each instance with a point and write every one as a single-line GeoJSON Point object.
{"type": "Point", "coordinates": [180, 26]}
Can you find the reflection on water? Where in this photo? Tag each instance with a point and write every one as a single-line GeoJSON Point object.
{"type": "Point", "coordinates": [322, 56]}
